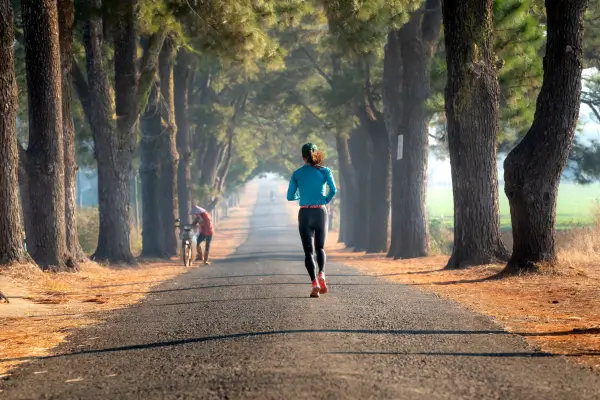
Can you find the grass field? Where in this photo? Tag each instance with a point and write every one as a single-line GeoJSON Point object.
{"type": "Point", "coordinates": [577, 205]}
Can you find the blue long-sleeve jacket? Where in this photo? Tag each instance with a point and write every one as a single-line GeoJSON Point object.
{"type": "Point", "coordinates": [308, 185]}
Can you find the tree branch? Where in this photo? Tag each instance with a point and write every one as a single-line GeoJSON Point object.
{"type": "Point", "coordinates": [371, 107]}
{"type": "Point", "coordinates": [316, 65]}
{"type": "Point", "coordinates": [318, 118]}
{"type": "Point", "coordinates": [82, 89]}
{"type": "Point", "coordinates": [148, 67]}
{"type": "Point", "coordinates": [225, 168]}
{"type": "Point", "coordinates": [592, 107]}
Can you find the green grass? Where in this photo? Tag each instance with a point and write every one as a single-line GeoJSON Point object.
{"type": "Point", "coordinates": [577, 205]}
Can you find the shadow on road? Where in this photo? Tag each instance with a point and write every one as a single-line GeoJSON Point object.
{"type": "Point", "coordinates": [458, 354]}
{"type": "Point", "coordinates": [252, 284]}
{"type": "Point", "coordinates": [221, 301]}
{"type": "Point", "coordinates": [328, 331]}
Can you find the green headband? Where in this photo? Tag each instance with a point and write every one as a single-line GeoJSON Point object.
{"type": "Point", "coordinates": [308, 148]}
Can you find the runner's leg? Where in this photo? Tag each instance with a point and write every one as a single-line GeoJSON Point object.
{"type": "Point", "coordinates": [306, 235]}
{"type": "Point", "coordinates": [320, 237]}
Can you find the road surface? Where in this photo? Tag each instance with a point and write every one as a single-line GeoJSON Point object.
{"type": "Point", "coordinates": [245, 328]}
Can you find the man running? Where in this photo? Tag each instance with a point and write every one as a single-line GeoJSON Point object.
{"type": "Point", "coordinates": [310, 180]}
{"type": "Point", "coordinates": [204, 226]}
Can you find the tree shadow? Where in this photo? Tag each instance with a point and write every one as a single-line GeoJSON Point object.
{"type": "Point", "coordinates": [253, 257]}
{"type": "Point", "coordinates": [533, 354]}
{"type": "Point", "coordinates": [269, 275]}
{"type": "Point", "coordinates": [205, 339]}
{"type": "Point", "coordinates": [410, 273]}
{"type": "Point", "coordinates": [125, 284]}
{"type": "Point", "coordinates": [491, 278]}
{"type": "Point", "coordinates": [232, 285]}
{"type": "Point", "coordinates": [183, 303]}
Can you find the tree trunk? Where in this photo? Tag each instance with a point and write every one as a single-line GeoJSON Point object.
{"type": "Point", "coordinates": [66, 16]}
{"type": "Point", "coordinates": [392, 107]}
{"type": "Point", "coordinates": [227, 155]}
{"type": "Point", "coordinates": [379, 184]}
{"type": "Point", "coordinates": [378, 180]}
{"type": "Point", "coordinates": [210, 166]}
{"type": "Point", "coordinates": [347, 183]}
{"type": "Point", "coordinates": [224, 170]}
{"type": "Point", "coordinates": [415, 43]}
{"type": "Point", "coordinates": [11, 232]}
{"type": "Point", "coordinates": [153, 243]}
{"type": "Point", "coordinates": [44, 160]}
{"type": "Point", "coordinates": [344, 219]}
{"type": "Point", "coordinates": [344, 164]}
{"type": "Point", "coordinates": [472, 112]}
{"type": "Point", "coordinates": [169, 155]}
{"type": "Point", "coordinates": [182, 76]}
{"type": "Point", "coordinates": [113, 166]}
{"type": "Point", "coordinates": [358, 145]}
{"type": "Point", "coordinates": [533, 169]}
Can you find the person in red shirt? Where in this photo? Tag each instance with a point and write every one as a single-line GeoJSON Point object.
{"type": "Point", "coordinates": [205, 231]}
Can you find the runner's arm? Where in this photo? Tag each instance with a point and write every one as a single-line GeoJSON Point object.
{"type": "Point", "coordinates": [292, 193]}
{"type": "Point", "coordinates": [331, 185]}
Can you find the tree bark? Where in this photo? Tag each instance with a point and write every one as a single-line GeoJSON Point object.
{"type": "Point", "coordinates": [360, 154]}
{"type": "Point", "coordinates": [182, 76]}
{"type": "Point", "coordinates": [169, 155]}
{"type": "Point", "coordinates": [392, 109]}
{"type": "Point", "coordinates": [347, 222]}
{"type": "Point", "coordinates": [533, 169]}
{"type": "Point", "coordinates": [415, 43]}
{"type": "Point", "coordinates": [471, 100]}
{"type": "Point", "coordinates": [153, 243]}
{"type": "Point", "coordinates": [224, 170]}
{"type": "Point", "coordinates": [210, 167]}
{"type": "Point", "coordinates": [44, 159]}
{"type": "Point", "coordinates": [11, 232]}
{"type": "Point", "coordinates": [379, 184]}
{"type": "Point", "coordinates": [66, 20]}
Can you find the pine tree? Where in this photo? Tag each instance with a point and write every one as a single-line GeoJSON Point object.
{"type": "Point", "coordinates": [531, 176]}
{"type": "Point", "coordinates": [472, 110]}
{"type": "Point", "coordinates": [11, 232]}
{"type": "Point", "coordinates": [406, 90]}
{"type": "Point", "coordinates": [44, 187]}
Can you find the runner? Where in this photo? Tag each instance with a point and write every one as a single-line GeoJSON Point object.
{"type": "Point", "coordinates": [205, 230]}
{"type": "Point", "coordinates": [308, 185]}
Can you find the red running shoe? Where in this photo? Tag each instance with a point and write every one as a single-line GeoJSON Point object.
{"type": "Point", "coordinates": [322, 283]}
{"type": "Point", "coordinates": [315, 289]}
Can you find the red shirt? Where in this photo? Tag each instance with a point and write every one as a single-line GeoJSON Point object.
{"type": "Point", "coordinates": [206, 226]}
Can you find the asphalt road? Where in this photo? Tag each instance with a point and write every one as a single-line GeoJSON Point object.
{"type": "Point", "coordinates": [246, 328]}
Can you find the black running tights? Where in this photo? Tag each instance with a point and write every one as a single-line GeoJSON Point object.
{"type": "Point", "coordinates": [312, 223]}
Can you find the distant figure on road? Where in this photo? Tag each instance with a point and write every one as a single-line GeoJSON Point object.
{"type": "Point", "coordinates": [204, 226]}
{"type": "Point", "coordinates": [308, 185]}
